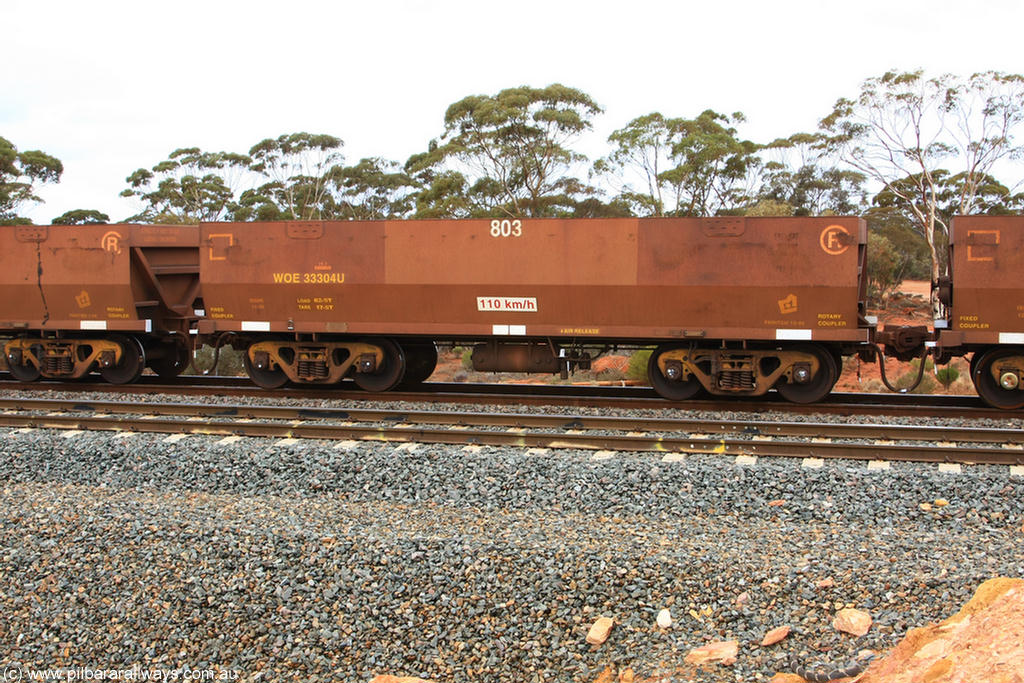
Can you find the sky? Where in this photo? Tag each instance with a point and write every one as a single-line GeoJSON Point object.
{"type": "Point", "coordinates": [112, 86]}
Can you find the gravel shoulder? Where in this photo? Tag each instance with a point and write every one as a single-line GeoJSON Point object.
{"type": "Point", "coordinates": [315, 562]}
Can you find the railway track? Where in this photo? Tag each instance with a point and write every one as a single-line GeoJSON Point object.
{"type": "Point", "coordinates": [633, 397]}
{"type": "Point", "coordinates": [670, 436]}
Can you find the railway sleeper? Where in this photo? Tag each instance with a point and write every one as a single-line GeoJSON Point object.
{"type": "Point", "coordinates": [30, 358]}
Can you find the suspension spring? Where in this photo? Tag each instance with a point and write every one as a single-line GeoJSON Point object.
{"type": "Point", "coordinates": [311, 369]}
{"type": "Point", "coordinates": [57, 365]}
{"type": "Point", "coordinates": [736, 380]}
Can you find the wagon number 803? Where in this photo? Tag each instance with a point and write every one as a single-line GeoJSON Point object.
{"type": "Point", "coordinates": [506, 228]}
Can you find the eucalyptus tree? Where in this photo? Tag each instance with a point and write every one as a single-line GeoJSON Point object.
{"type": "Point", "coordinates": [511, 150]}
{"type": "Point", "coordinates": [988, 108]}
{"type": "Point", "coordinates": [373, 189]}
{"type": "Point", "coordinates": [989, 196]}
{"type": "Point", "coordinates": [20, 172]}
{"type": "Point", "coordinates": [641, 150]}
{"type": "Point", "coordinates": [713, 169]}
{"type": "Point", "coordinates": [189, 186]}
{"type": "Point", "coordinates": [799, 173]}
{"type": "Point", "coordinates": [81, 217]}
{"type": "Point", "coordinates": [688, 167]}
{"type": "Point", "coordinates": [299, 170]}
{"type": "Point", "coordinates": [446, 193]}
{"type": "Point", "coordinates": [903, 129]}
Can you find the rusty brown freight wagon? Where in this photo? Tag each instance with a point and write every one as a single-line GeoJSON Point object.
{"type": "Point", "coordinates": [985, 305]}
{"type": "Point", "coordinates": [734, 305]}
{"type": "Point", "coordinates": [112, 298]}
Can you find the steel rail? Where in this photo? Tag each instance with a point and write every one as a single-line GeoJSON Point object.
{"type": "Point", "coordinates": [744, 428]}
{"type": "Point", "coordinates": [520, 437]}
{"type": "Point", "coordinates": [850, 404]}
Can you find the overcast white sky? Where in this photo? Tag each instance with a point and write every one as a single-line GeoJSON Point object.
{"type": "Point", "coordinates": [112, 86]}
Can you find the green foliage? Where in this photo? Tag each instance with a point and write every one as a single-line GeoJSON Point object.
{"type": "Point", "coordinates": [769, 207]}
{"type": "Point", "coordinates": [990, 197]}
{"type": "Point", "coordinates": [188, 187]}
{"type": "Point", "coordinates": [300, 169]}
{"type": "Point", "coordinates": [299, 176]}
{"type": "Point", "coordinates": [81, 217]}
{"type": "Point", "coordinates": [905, 132]}
{"type": "Point", "coordinates": [928, 384]}
{"type": "Point", "coordinates": [908, 248]}
{"type": "Point", "coordinates": [510, 152]}
{"type": "Point", "coordinates": [711, 165]}
{"type": "Point", "coordinates": [642, 147]}
{"type": "Point", "coordinates": [592, 207]}
{"type": "Point", "coordinates": [885, 268]}
{"type": "Point", "coordinates": [800, 174]}
{"type": "Point", "coordinates": [444, 194]}
{"type": "Point", "coordinates": [931, 143]}
{"type": "Point", "coordinates": [19, 173]}
{"type": "Point", "coordinates": [690, 167]}
{"type": "Point", "coordinates": [373, 189]}
{"type": "Point", "coordinates": [638, 364]}
{"type": "Point", "coordinates": [947, 376]}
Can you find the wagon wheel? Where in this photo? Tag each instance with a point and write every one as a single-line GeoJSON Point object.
{"type": "Point", "coordinates": [26, 372]}
{"type": "Point", "coordinates": [389, 373]}
{"type": "Point", "coordinates": [673, 390]}
{"type": "Point", "coordinates": [989, 388]}
{"type": "Point", "coordinates": [420, 362]}
{"type": "Point", "coordinates": [266, 378]}
{"type": "Point", "coordinates": [819, 386]}
{"type": "Point", "coordinates": [133, 360]}
{"type": "Point", "coordinates": [975, 357]}
{"type": "Point", "coordinates": [172, 363]}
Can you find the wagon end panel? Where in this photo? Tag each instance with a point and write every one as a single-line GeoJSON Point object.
{"type": "Point", "coordinates": [67, 277]}
{"type": "Point", "coordinates": [987, 268]}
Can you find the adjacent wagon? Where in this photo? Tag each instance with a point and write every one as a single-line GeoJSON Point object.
{"type": "Point", "coordinates": [984, 296]}
{"type": "Point", "coordinates": [110, 297]}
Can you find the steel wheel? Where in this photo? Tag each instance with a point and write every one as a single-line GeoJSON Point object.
{"type": "Point", "coordinates": [420, 362]}
{"type": "Point", "coordinates": [673, 390]}
{"type": "Point", "coordinates": [133, 360]}
{"type": "Point", "coordinates": [264, 377]}
{"type": "Point", "coordinates": [975, 357]}
{"type": "Point", "coordinates": [819, 386]}
{"type": "Point", "coordinates": [172, 363]}
{"type": "Point", "coordinates": [390, 372]}
{"type": "Point", "coordinates": [26, 372]}
{"type": "Point", "coordinates": [988, 387]}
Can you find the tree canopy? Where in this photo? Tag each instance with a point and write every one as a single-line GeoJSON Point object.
{"type": "Point", "coordinates": [81, 217]}
{"type": "Point", "coordinates": [188, 187]}
{"type": "Point", "coordinates": [908, 132]}
{"type": "Point", "coordinates": [20, 172]}
{"type": "Point", "coordinates": [298, 170]}
{"type": "Point", "coordinates": [511, 150]}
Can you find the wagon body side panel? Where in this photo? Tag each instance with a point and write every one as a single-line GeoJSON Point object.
{"type": "Point", "coordinates": [603, 278]}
